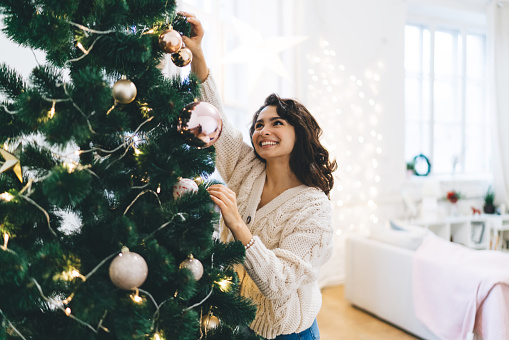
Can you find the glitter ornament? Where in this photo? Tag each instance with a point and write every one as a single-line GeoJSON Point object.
{"type": "Point", "coordinates": [184, 186]}
{"type": "Point", "coordinates": [183, 57]}
{"type": "Point", "coordinates": [200, 123]}
{"type": "Point", "coordinates": [128, 270]}
{"type": "Point", "coordinates": [124, 91]}
{"type": "Point", "coordinates": [170, 41]}
{"type": "Point", "coordinates": [194, 266]}
{"type": "Point", "coordinates": [11, 163]}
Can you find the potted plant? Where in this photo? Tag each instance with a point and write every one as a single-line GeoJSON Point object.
{"type": "Point", "coordinates": [489, 199]}
{"type": "Point", "coordinates": [453, 196]}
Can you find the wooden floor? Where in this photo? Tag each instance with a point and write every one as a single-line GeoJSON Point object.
{"type": "Point", "coordinates": [338, 320]}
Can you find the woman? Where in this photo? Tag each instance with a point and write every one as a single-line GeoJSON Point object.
{"type": "Point", "coordinates": [276, 204]}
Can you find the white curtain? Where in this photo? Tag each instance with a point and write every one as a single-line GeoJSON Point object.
{"type": "Point", "coordinates": [498, 17]}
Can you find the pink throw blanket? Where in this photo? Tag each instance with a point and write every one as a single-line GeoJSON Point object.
{"type": "Point", "coordinates": [459, 292]}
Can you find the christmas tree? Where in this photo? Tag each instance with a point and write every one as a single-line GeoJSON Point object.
{"type": "Point", "coordinates": [105, 234]}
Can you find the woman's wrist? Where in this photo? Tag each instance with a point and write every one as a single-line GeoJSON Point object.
{"type": "Point", "coordinates": [199, 66]}
{"type": "Point", "coordinates": [241, 232]}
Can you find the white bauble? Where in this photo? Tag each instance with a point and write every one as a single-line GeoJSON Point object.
{"type": "Point", "coordinates": [128, 270]}
{"type": "Point", "coordinates": [184, 186]}
{"type": "Point", "coordinates": [194, 266]}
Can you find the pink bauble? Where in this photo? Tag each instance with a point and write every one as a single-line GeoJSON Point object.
{"type": "Point", "coordinates": [200, 123]}
{"type": "Point", "coordinates": [184, 186]}
{"type": "Point", "coordinates": [128, 270]}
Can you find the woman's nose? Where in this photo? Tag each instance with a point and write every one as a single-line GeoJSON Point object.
{"type": "Point", "coordinates": [265, 131]}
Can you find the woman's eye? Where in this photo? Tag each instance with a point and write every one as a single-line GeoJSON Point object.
{"type": "Point", "coordinates": [278, 122]}
{"type": "Point", "coordinates": [258, 126]}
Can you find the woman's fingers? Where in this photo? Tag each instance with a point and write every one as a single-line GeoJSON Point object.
{"type": "Point", "coordinates": [221, 196]}
{"type": "Point", "coordinates": [223, 191]}
{"type": "Point", "coordinates": [186, 14]}
{"type": "Point", "coordinates": [218, 202]}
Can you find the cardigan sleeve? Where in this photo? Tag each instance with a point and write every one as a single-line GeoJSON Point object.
{"type": "Point", "coordinates": [306, 244]}
{"type": "Point", "coordinates": [230, 147]}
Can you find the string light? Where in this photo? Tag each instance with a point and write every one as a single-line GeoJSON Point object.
{"type": "Point", "coordinates": [158, 190]}
{"type": "Point", "coordinates": [68, 311]}
{"type": "Point", "coordinates": [150, 31]}
{"type": "Point", "coordinates": [6, 240]}
{"type": "Point", "coordinates": [70, 166]}
{"type": "Point", "coordinates": [80, 46]}
{"type": "Point", "coordinates": [136, 297]}
{"type": "Point", "coordinates": [6, 196]}
{"type": "Point", "coordinates": [51, 112]}
{"type": "Point", "coordinates": [68, 300]}
{"type": "Point", "coordinates": [353, 111]}
{"type": "Point", "coordinates": [225, 284]}
{"type": "Point", "coordinates": [72, 274]}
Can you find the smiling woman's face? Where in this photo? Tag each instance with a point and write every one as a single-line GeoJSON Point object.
{"type": "Point", "coordinates": [273, 137]}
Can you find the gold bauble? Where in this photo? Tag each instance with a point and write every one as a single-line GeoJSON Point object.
{"type": "Point", "coordinates": [209, 322]}
{"type": "Point", "coordinates": [183, 57]}
{"type": "Point", "coordinates": [170, 41]}
{"type": "Point", "coordinates": [124, 91]}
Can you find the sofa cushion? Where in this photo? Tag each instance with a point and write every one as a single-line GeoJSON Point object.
{"type": "Point", "coordinates": [406, 236]}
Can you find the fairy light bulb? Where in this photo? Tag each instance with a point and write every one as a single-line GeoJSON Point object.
{"type": "Point", "coordinates": [72, 274]}
{"type": "Point", "coordinates": [70, 166]}
{"type": "Point", "coordinates": [136, 297]}
{"type": "Point", "coordinates": [76, 273]}
{"type": "Point", "coordinates": [158, 190]}
{"type": "Point", "coordinates": [68, 300]}
{"type": "Point", "coordinates": [68, 311]}
{"type": "Point", "coordinates": [6, 196]}
{"type": "Point", "coordinates": [6, 241]}
{"type": "Point", "coordinates": [225, 284]}
{"type": "Point", "coordinates": [51, 113]}
{"type": "Point", "coordinates": [80, 46]}
{"type": "Point", "coordinates": [137, 152]}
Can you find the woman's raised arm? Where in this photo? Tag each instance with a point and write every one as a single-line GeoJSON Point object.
{"type": "Point", "coordinates": [198, 65]}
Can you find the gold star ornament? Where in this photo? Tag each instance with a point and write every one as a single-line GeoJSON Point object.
{"type": "Point", "coordinates": [11, 163]}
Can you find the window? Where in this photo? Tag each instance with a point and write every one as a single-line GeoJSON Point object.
{"type": "Point", "coordinates": [445, 99]}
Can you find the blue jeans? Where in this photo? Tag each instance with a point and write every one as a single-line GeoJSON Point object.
{"type": "Point", "coordinates": [311, 333]}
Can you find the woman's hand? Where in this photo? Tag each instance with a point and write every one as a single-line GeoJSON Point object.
{"type": "Point", "coordinates": [193, 42]}
{"type": "Point", "coordinates": [226, 200]}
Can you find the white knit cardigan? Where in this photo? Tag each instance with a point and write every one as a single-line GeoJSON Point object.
{"type": "Point", "coordinates": [293, 236]}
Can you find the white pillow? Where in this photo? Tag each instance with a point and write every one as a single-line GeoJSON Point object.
{"type": "Point", "coordinates": [410, 239]}
{"type": "Point", "coordinates": [408, 227]}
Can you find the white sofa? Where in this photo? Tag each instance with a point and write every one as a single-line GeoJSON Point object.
{"type": "Point", "coordinates": [378, 279]}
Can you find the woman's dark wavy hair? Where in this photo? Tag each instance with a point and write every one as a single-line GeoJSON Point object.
{"type": "Point", "coordinates": [309, 160]}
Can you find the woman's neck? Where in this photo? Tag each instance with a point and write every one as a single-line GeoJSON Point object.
{"type": "Point", "coordinates": [280, 177]}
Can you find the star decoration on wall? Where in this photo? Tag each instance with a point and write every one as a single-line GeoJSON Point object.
{"type": "Point", "coordinates": [11, 163]}
{"type": "Point", "coordinates": [258, 52]}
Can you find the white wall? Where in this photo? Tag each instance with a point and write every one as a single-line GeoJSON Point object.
{"type": "Point", "coordinates": [21, 59]}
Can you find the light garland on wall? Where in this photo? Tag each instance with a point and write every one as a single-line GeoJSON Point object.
{"type": "Point", "coordinates": [346, 107]}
